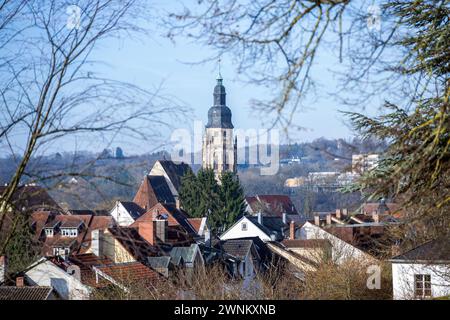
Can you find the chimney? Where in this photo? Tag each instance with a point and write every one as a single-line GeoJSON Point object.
{"type": "Point", "coordinates": [97, 242]}
{"type": "Point", "coordinates": [19, 282]}
{"type": "Point", "coordinates": [284, 217]}
{"type": "Point", "coordinates": [376, 217]}
{"type": "Point", "coordinates": [260, 218]}
{"type": "Point", "coordinates": [147, 230]}
{"type": "Point", "coordinates": [328, 218]}
{"type": "Point", "coordinates": [344, 212]}
{"type": "Point", "coordinates": [162, 229]}
{"type": "Point", "coordinates": [178, 203]}
{"type": "Point", "coordinates": [338, 213]}
{"type": "Point", "coordinates": [3, 269]}
{"type": "Point", "coordinates": [75, 271]}
{"type": "Point", "coordinates": [292, 230]}
{"type": "Point", "coordinates": [317, 220]}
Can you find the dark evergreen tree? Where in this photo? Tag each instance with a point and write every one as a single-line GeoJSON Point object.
{"type": "Point", "coordinates": [202, 196]}
{"type": "Point", "coordinates": [189, 195]}
{"type": "Point", "coordinates": [21, 250]}
{"type": "Point", "coordinates": [232, 200]}
{"type": "Point", "coordinates": [209, 198]}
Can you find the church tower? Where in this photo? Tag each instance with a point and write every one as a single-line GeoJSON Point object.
{"type": "Point", "coordinates": [219, 150]}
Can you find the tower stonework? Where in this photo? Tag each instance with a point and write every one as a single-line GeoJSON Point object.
{"type": "Point", "coordinates": [219, 150]}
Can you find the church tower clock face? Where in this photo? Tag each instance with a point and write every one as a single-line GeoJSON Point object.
{"type": "Point", "coordinates": [219, 144]}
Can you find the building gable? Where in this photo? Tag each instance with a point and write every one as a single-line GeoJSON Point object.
{"type": "Point", "coordinates": [244, 228]}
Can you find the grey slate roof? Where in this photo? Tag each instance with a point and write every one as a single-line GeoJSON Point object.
{"type": "Point", "coordinates": [237, 247]}
{"type": "Point", "coordinates": [24, 293]}
{"type": "Point", "coordinates": [159, 262]}
{"type": "Point", "coordinates": [434, 250]}
{"type": "Point", "coordinates": [161, 189]}
{"type": "Point", "coordinates": [175, 171]}
{"type": "Point", "coordinates": [270, 225]}
{"type": "Point", "coordinates": [133, 209]}
{"type": "Point", "coordinates": [185, 253]}
{"type": "Point", "coordinates": [219, 115]}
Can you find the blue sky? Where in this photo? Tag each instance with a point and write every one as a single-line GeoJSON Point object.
{"type": "Point", "coordinates": [151, 60]}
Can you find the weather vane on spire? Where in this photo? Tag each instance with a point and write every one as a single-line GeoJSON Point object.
{"type": "Point", "coordinates": [219, 77]}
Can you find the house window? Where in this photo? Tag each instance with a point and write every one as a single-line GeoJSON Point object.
{"type": "Point", "coordinates": [422, 285]}
{"type": "Point", "coordinates": [49, 232]}
{"type": "Point", "coordinates": [69, 232]}
{"type": "Point", "coordinates": [244, 226]}
{"type": "Point", "coordinates": [61, 251]}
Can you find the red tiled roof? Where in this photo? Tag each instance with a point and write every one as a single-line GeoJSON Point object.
{"type": "Point", "coordinates": [32, 197]}
{"type": "Point", "coordinates": [271, 204]}
{"type": "Point", "coordinates": [152, 190]}
{"type": "Point", "coordinates": [131, 273]}
{"type": "Point", "coordinates": [195, 223]}
{"type": "Point", "coordinates": [86, 262]}
{"type": "Point", "coordinates": [175, 217]}
{"type": "Point", "coordinates": [79, 244]}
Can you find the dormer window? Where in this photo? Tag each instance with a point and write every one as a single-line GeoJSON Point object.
{"type": "Point", "coordinates": [49, 232]}
{"type": "Point", "coordinates": [69, 232]}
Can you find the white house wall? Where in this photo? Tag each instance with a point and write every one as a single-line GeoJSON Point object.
{"type": "Point", "coordinates": [236, 232]}
{"type": "Point", "coordinates": [121, 215]}
{"type": "Point", "coordinates": [341, 250]}
{"type": "Point", "coordinates": [48, 274]}
{"type": "Point", "coordinates": [403, 279]}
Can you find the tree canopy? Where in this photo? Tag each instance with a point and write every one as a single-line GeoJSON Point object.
{"type": "Point", "coordinates": [201, 195]}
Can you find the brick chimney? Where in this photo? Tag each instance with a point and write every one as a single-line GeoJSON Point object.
{"type": "Point", "coordinates": [292, 230]}
{"type": "Point", "coordinates": [147, 230]}
{"type": "Point", "coordinates": [20, 282]}
{"type": "Point", "coordinates": [317, 220]}
{"type": "Point", "coordinates": [3, 268]}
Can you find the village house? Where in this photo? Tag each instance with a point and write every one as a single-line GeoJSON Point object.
{"type": "Point", "coordinates": [62, 235]}
{"type": "Point", "coordinates": [243, 256]}
{"type": "Point", "coordinates": [77, 277]}
{"type": "Point", "coordinates": [422, 272]}
{"type": "Point", "coordinates": [270, 205]}
{"type": "Point", "coordinates": [341, 249]}
{"type": "Point", "coordinates": [267, 228]}
{"type": "Point", "coordinates": [18, 290]}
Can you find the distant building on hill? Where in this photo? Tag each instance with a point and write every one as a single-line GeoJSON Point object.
{"type": "Point", "coordinates": [364, 162]}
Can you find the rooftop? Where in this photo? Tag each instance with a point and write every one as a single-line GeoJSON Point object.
{"type": "Point", "coordinates": [24, 293]}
